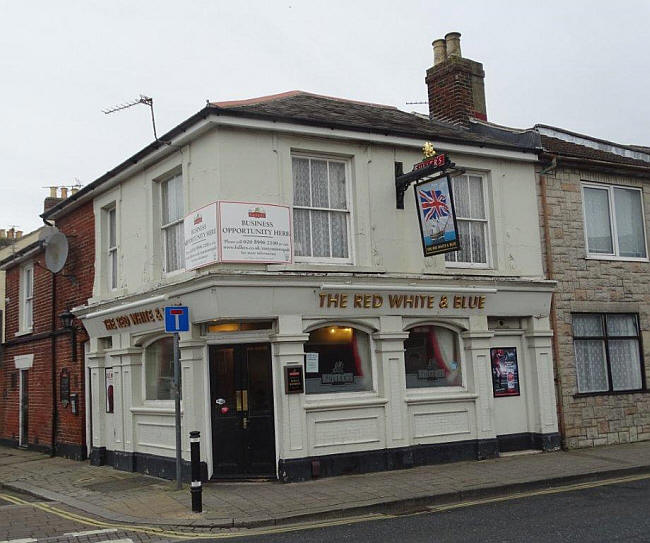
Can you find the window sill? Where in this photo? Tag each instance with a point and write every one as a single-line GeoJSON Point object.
{"type": "Point", "coordinates": [331, 404]}
{"type": "Point", "coordinates": [24, 332]}
{"type": "Point", "coordinates": [611, 393]}
{"type": "Point", "coordinates": [324, 267]}
{"type": "Point", "coordinates": [615, 258]}
{"type": "Point", "coordinates": [467, 265]}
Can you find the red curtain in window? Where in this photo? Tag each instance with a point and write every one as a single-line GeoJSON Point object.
{"type": "Point", "coordinates": [433, 350]}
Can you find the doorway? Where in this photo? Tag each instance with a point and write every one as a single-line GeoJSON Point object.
{"type": "Point", "coordinates": [241, 399]}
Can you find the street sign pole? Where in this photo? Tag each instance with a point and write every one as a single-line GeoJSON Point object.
{"type": "Point", "coordinates": [177, 410]}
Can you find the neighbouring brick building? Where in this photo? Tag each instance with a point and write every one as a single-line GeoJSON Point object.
{"type": "Point", "coordinates": [595, 206]}
{"type": "Point", "coordinates": [42, 404]}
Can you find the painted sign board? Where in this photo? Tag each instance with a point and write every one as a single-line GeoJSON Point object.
{"type": "Point", "coordinates": [177, 319]}
{"type": "Point", "coordinates": [201, 238]}
{"type": "Point", "coordinates": [435, 208]}
{"type": "Point", "coordinates": [254, 232]}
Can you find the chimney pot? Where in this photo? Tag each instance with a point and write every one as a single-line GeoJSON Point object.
{"type": "Point", "coordinates": [19, 234]}
{"type": "Point", "coordinates": [52, 192]}
{"type": "Point", "coordinates": [74, 190]}
{"type": "Point", "coordinates": [64, 192]}
{"type": "Point", "coordinates": [439, 51]}
{"type": "Point", "coordinates": [3, 233]}
{"type": "Point", "coordinates": [10, 233]}
{"type": "Point", "coordinates": [452, 40]}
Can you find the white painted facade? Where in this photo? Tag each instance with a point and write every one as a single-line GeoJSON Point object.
{"type": "Point", "coordinates": [251, 161]}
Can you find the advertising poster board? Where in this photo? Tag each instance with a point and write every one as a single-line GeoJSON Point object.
{"type": "Point", "coordinates": [109, 389]}
{"type": "Point", "coordinates": [437, 216]}
{"type": "Point", "coordinates": [255, 232]}
{"type": "Point", "coordinates": [505, 371]}
{"type": "Point", "coordinates": [200, 229]}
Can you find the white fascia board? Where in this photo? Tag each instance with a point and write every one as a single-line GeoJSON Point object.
{"type": "Point", "coordinates": [336, 133]}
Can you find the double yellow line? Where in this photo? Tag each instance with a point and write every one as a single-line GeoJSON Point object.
{"type": "Point", "coordinates": [174, 534]}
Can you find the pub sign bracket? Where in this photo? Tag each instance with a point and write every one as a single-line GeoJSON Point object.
{"type": "Point", "coordinates": [431, 168]}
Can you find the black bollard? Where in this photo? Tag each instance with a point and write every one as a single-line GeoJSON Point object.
{"type": "Point", "coordinates": [195, 456]}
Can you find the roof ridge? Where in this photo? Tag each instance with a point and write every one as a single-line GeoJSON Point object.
{"type": "Point", "coordinates": [291, 94]}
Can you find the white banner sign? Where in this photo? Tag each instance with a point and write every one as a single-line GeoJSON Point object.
{"type": "Point", "coordinates": [200, 228]}
{"type": "Point", "coordinates": [253, 232]}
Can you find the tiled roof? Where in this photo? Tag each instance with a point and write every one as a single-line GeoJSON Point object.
{"type": "Point", "coordinates": [306, 108]}
{"type": "Point", "coordinates": [565, 148]}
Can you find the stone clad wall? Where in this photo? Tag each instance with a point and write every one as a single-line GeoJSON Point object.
{"type": "Point", "coordinates": [598, 286]}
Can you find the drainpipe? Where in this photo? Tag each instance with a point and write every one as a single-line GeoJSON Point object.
{"type": "Point", "coordinates": [553, 313]}
{"type": "Point", "coordinates": [53, 357]}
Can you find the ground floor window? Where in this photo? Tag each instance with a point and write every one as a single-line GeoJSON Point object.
{"type": "Point", "coordinates": [607, 350]}
{"type": "Point", "coordinates": [432, 357]}
{"type": "Point", "coordinates": [159, 369]}
{"type": "Point", "coordinates": [337, 359]}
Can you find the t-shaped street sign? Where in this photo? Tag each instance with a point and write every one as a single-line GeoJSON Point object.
{"type": "Point", "coordinates": [177, 319]}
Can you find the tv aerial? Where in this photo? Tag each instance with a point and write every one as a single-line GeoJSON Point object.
{"type": "Point", "coordinates": [147, 101]}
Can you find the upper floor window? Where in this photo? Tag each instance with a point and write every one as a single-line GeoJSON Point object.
{"type": "Point", "coordinates": [171, 192]}
{"type": "Point", "coordinates": [432, 357]}
{"type": "Point", "coordinates": [111, 247]}
{"type": "Point", "coordinates": [608, 353]}
{"type": "Point", "coordinates": [26, 298]}
{"type": "Point", "coordinates": [614, 221]}
{"type": "Point", "coordinates": [471, 215]}
{"type": "Point", "coordinates": [321, 211]}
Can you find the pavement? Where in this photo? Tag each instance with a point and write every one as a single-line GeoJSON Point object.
{"type": "Point", "coordinates": [133, 498]}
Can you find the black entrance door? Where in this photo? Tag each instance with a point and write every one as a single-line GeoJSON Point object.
{"type": "Point", "coordinates": [243, 438]}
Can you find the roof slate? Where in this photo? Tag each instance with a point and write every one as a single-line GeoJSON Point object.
{"type": "Point", "coordinates": [565, 148]}
{"type": "Point", "coordinates": [314, 109]}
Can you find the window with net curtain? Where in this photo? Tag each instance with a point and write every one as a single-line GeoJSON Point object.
{"type": "Point", "coordinates": [614, 221]}
{"type": "Point", "coordinates": [607, 352]}
{"type": "Point", "coordinates": [172, 207]}
{"type": "Point", "coordinates": [321, 213]}
{"type": "Point", "coordinates": [432, 357]}
{"type": "Point", "coordinates": [337, 359]}
{"type": "Point", "coordinates": [159, 369]}
{"type": "Point", "coordinates": [471, 216]}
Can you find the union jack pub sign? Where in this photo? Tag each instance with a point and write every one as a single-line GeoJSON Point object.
{"type": "Point", "coordinates": [435, 207]}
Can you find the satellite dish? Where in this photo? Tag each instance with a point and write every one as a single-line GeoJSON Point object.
{"type": "Point", "coordinates": [47, 232]}
{"type": "Point", "coordinates": [56, 252]}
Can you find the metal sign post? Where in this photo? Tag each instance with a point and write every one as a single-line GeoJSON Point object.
{"type": "Point", "coordinates": [177, 319]}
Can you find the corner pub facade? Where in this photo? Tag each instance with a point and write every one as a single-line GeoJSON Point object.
{"type": "Point", "coordinates": [355, 354]}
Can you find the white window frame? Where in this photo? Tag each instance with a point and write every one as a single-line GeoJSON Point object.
{"type": "Point", "coordinates": [349, 209]}
{"type": "Point", "coordinates": [164, 227]}
{"type": "Point", "coordinates": [612, 219]}
{"type": "Point", "coordinates": [26, 325]}
{"type": "Point", "coordinates": [147, 401]}
{"type": "Point", "coordinates": [486, 221]}
{"type": "Point", "coordinates": [112, 262]}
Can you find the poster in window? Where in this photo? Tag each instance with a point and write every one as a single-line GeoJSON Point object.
{"type": "Point", "coordinates": [437, 216]}
{"type": "Point", "coordinates": [109, 390]}
{"type": "Point", "coordinates": [505, 371]}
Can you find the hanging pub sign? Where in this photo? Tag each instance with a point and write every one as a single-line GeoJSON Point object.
{"type": "Point", "coordinates": [505, 371]}
{"type": "Point", "coordinates": [433, 200]}
{"type": "Point", "coordinates": [435, 207]}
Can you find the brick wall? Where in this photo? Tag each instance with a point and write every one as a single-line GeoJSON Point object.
{"type": "Point", "coordinates": [599, 286]}
{"type": "Point", "coordinates": [67, 292]}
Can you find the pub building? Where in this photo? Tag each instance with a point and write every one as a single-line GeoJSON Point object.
{"type": "Point", "coordinates": [323, 341]}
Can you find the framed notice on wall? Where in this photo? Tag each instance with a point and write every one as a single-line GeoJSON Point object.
{"type": "Point", "coordinates": [109, 389]}
{"type": "Point", "coordinates": [437, 216]}
{"type": "Point", "coordinates": [200, 229]}
{"type": "Point", "coordinates": [505, 371]}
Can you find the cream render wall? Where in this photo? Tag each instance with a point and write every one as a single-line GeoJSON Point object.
{"type": "Point", "coordinates": [255, 165]}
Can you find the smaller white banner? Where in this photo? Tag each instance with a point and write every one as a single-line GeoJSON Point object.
{"type": "Point", "coordinates": [311, 362]}
{"type": "Point", "coordinates": [254, 232]}
{"type": "Point", "coordinates": [200, 228]}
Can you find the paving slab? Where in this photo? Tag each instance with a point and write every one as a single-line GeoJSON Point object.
{"type": "Point", "coordinates": [135, 498]}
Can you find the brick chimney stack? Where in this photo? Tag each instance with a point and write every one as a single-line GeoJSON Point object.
{"type": "Point", "coordinates": [51, 200]}
{"type": "Point", "coordinates": [456, 84]}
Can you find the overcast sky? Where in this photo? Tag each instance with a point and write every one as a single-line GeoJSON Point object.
{"type": "Point", "coordinates": [579, 65]}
